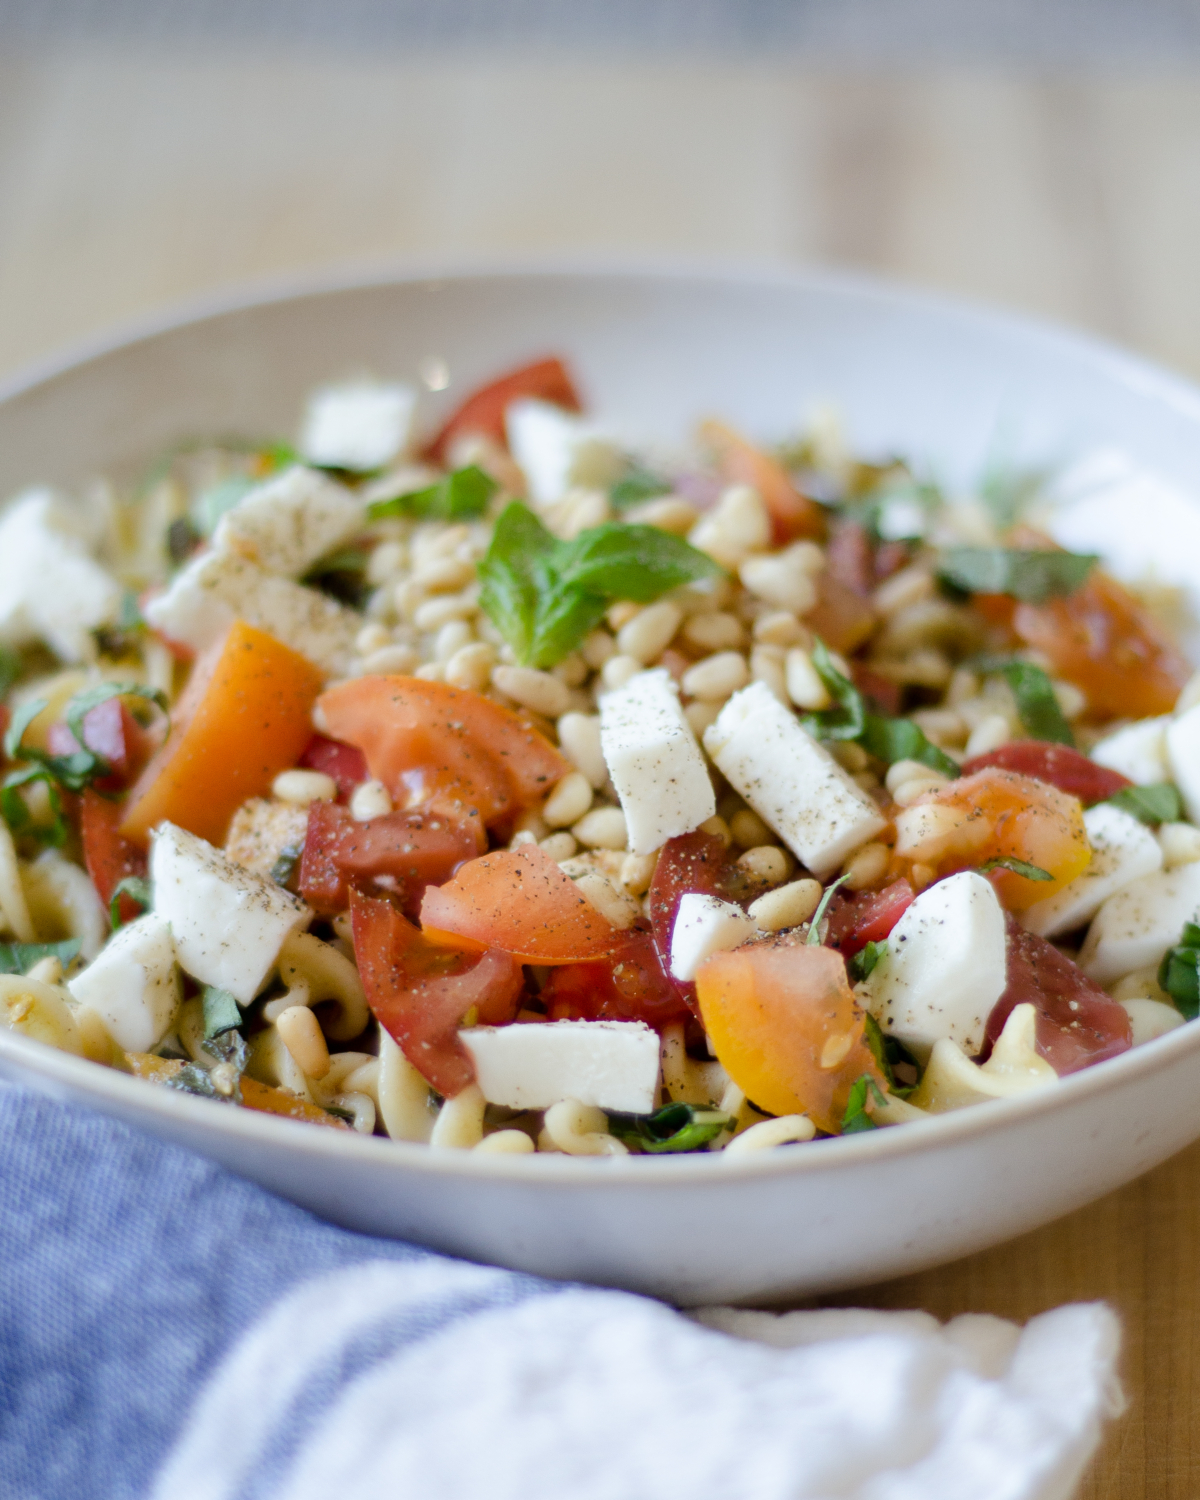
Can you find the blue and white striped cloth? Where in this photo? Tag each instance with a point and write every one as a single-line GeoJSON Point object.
{"type": "Point", "coordinates": [170, 1331]}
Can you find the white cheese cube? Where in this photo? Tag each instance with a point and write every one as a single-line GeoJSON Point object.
{"type": "Point", "coordinates": [361, 425]}
{"type": "Point", "coordinates": [1138, 751]}
{"type": "Point", "coordinates": [705, 925]}
{"type": "Point", "coordinates": [557, 451]}
{"type": "Point", "coordinates": [654, 761]}
{"type": "Point", "coordinates": [945, 967]}
{"type": "Point", "coordinates": [609, 1064]}
{"type": "Point", "coordinates": [1134, 928]}
{"type": "Point", "coordinates": [1122, 850]}
{"type": "Point", "coordinates": [793, 784]}
{"type": "Point", "coordinates": [133, 984]}
{"type": "Point", "coordinates": [217, 588]}
{"type": "Point", "coordinates": [228, 924]}
{"type": "Point", "coordinates": [290, 522]}
{"type": "Point", "coordinates": [51, 590]}
{"type": "Point", "coordinates": [1183, 759]}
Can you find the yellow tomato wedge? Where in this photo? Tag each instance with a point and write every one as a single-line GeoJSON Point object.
{"type": "Point", "coordinates": [786, 1027]}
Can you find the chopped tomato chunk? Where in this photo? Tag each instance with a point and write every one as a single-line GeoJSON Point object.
{"type": "Point", "coordinates": [842, 618]}
{"type": "Point", "coordinates": [402, 852]}
{"type": "Point", "coordinates": [793, 515]}
{"type": "Point", "coordinates": [1106, 643]}
{"type": "Point", "coordinates": [786, 1027]}
{"type": "Point", "coordinates": [1058, 765]}
{"type": "Point", "coordinates": [629, 985]}
{"type": "Point", "coordinates": [345, 763]}
{"type": "Point", "coordinates": [420, 992]}
{"type": "Point", "coordinates": [868, 917]}
{"type": "Point", "coordinates": [1077, 1023]}
{"type": "Point", "coordinates": [483, 410]}
{"type": "Point", "coordinates": [447, 747]}
{"type": "Point", "coordinates": [108, 855]}
{"type": "Point", "coordinates": [273, 1101]}
{"type": "Point", "coordinates": [111, 732]}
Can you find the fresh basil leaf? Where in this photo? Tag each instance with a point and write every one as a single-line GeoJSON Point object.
{"type": "Point", "coordinates": [285, 866]}
{"type": "Point", "coordinates": [510, 587]}
{"type": "Point", "coordinates": [847, 719]}
{"type": "Point", "coordinates": [1037, 706]}
{"type": "Point", "coordinates": [228, 1046]}
{"type": "Point", "coordinates": [1031, 576]}
{"type": "Point", "coordinates": [16, 814]}
{"type": "Point", "coordinates": [83, 702]}
{"type": "Point", "coordinates": [1159, 803]}
{"type": "Point", "coordinates": [632, 562]}
{"type": "Point", "coordinates": [221, 1012]}
{"type": "Point", "coordinates": [675, 1127]}
{"type": "Point", "coordinates": [211, 504]}
{"type": "Point", "coordinates": [19, 958]}
{"type": "Point", "coordinates": [21, 720]}
{"type": "Point", "coordinates": [1179, 972]}
{"type": "Point", "coordinates": [864, 961]}
{"type": "Point", "coordinates": [856, 1118]}
{"type": "Point", "coordinates": [635, 485]}
{"type": "Point", "coordinates": [814, 927]}
{"type": "Point", "coordinates": [1017, 866]}
{"type": "Point", "coordinates": [137, 888]}
{"type": "Point", "coordinates": [900, 739]}
{"type": "Point", "coordinates": [890, 1054]}
{"type": "Point", "coordinates": [10, 669]}
{"type": "Point", "coordinates": [459, 496]}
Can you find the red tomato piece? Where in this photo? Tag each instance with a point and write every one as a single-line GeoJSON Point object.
{"type": "Point", "coordinates": [883, 692]}
{"type": "Point", "coordinates": [1059, 765]}
{"type": "Point", "coordinates": [630, 985]}
{"type": "Point", "coordinates": [842, 618]}
{"type": "Point", "coordinates": [868, 917]}
{"type": "Point", "coordinates": [1077, 1023]}
{"type": "Point", "coordinates": [420, 992]}
{"type": "Point", "coordinates": [111, 732]}
{"type": "Point", "coordinates": [792, 514]}
{"type": "Point", "coordinates": [402, 852]}
{"type": "Point", "coordinates": [345, 763]}
{"type": "Point", "coordinates": [108, 855]}
{"type": "Point", "coordinates": [483, 411]}
{"type": "Point", "coordinates": [849, 556]}
{"type": "Point", "coordinates": [520, 901]}
{"type": "Point", "coordinates": [443, 746]}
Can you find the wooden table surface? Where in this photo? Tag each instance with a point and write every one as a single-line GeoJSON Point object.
{"type": "Point", "coordinates": [131, 181]}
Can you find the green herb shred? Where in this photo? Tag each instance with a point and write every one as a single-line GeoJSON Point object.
{"type": "Point", "coordinates": [675, 1127]}
{"type": "Point", "coordinates": [1030, 576]}
{"type": "Point", "coordinates": [1158, 803]}
{"type": "Point", "coordinates": [1179, 972]}
{"type": "Point", "coordinates": [460, 496]}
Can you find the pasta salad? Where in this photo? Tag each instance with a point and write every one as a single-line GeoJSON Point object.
{"type": "Point", "coordinates": [506, 789]}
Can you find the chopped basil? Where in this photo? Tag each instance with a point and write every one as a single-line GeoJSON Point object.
{"type": "Point", "coordinates": [1017, 866]}
{"type": "Point", "coordinates": [458, 497]}
{"type": "Point", "coordinates": [19, 958]}
{"type": "Point", "coordinates": [900, 739]}
{"type": "Point", "coordinates": [863, 963]}
{"type": "Point", "coordinates": [1037, 706]}
{"type": "Point", "coordinates": [814, 927]}
{"type": "Point", "coordinates": [285, 866]}
{"type": "Point", "coordinates": [16, 814]}
{"type": "Point", "coordinates": [83, 703]}
{"type": "Point", "coordinates": [229, 1048]}
{"type": "Point", "coordinates": [1031, 576]}
{"type": "Point", "coordinates": [1179, 972]}
{"type": "Point", "coordinates": [1159, 803]}
{"type": "Point", "coordinates": [856, 1117]}
{"type": "Point", "coordinates": [675, 1127]}
{"type": "Point", "coordinates": [193, 1079]}
{"type": "Point", "coordinates": [137, 888]}
{"type": "Point", "coordinates": [637, 484]}
{"type": "Point", "coordinates": [890, 1054]}
{"type": "Point", "coordinates": [221, 1012]}
{"type": "Point", "coordinates": [544, 595]}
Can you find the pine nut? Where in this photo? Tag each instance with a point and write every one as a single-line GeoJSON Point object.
{"type": "Point", "coordinates": [943, 726]}
{"type": "Point", "coordinates": [909, 791]}
{"type": "Point", "coordinates": [471, 666]}
{"type": "Point", "coordinates": [572, 671]}
{"type": "Point", "coordinates": [522, 838]}
{"type": "Point", "coordinates": [901, 771]}
{"type": "Point", "coordinates": [579, 741]}
{"type": "Point", "coordinates": [435, 613]}
{"type": "Point", "coordinates": [836, 1049]}
{"type": "Point", "coordinates": [766, 665]}
{"type": "Point", "coordinates": [667, 513]}
{"type": "Point", "coordinates": [921, 875]}
{"type": "Point", "coordinates": [618, 670]}
{"type": "Point", "coordinates": [785, 579]}
{"type": "Point", "coordinates": [445, 575]}
{"type": "Point", "coordinates": [452, 637]}
{"type": "Point", "coordinates": [385, 562]}
{"type": "Point", "coordinates": [748, 829]}
{"type": "Point", "coordinates": [560, 846]}
{"type": "Point", "coordinates": [768, 862]}
{"type": "Point", "coordinates": [988, 735]}
{"type": "Point", "coordinates": [613, 904]}
{"type": "Point", "coordinates": [701, 715]}
{"type": "Point", "coordinates": [300, 1032]}
{"type": "Point", "coordinates": [637, 871]}
{"type": "Point", "coordinates": [648, 634]}
{"type": "Point", "coordinates": [849, 756]}
{"type": "Point", "coordinates": [390, 661]}
{"type": "Point", "coordinates": [716, 631]}
{"type": "Point", "coordinates": [597, 647]}
{"type": "Point", "coordinates": [718, 826]}
{"type": "Point", "coordinates": [927, 830]}
{"type": "Point", "coordinates": [540, 691]}
{"type": "Point", "coordinates": [964, 684]}
{"type": "Point", "coordinates": [431, 671]}
{"type": "Point", "coordinates": [602, 828]}
{"type": "Point", "coordinates": [569, 800]}
{"type": "Point", "coordinates": [371, 638]}
{"type": "Point", "coordinates": [867, 866]}
{"type": "Point", "coordinates": [909, 586]}
{"type": "Point", "coordinates": [620, 613]}
{"type": "Point", "coordinates": [738, 525]}
{"type": "Point", "coordinates": [302, 787]}
{"type": "Point", "coordinates": [804, 685]}
{"type": "Point", "coordinates": [787, 906]}
{"type": "Point", "coordinates": [369, 800]}
{"type": "Point", "coordinates": [1070, 700]}
{"type": "Point", "coordinates": [716, 677]}
{"type": "Point", "coordinates": [781, 628]}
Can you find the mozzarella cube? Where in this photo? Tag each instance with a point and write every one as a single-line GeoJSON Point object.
{"type": "Point", "coordinates": [609, 1064]}
{"type": "Point", "coordinates": [228, 924]}
{"type": "Point", "coordinates": [1183, 759]}
{"type": "Point", "coordinates": [1122, 850]}
{"type": "Point", "coordinates": [1134, 928]}
{"type": "Point", "coordinates": [51, 590]}
{"type": "Point", "coordinates": [705, 925]}
{"type": "Point", "coordinates": [654, 761]}
{"type": "Point", "coordinates": [361, 425]}
{"type": "Point", "coordinates": [557, 451]}
{"type": "Point", "coordinates": [217, 588]}
{"type": "Point", "coordinates": [793, 784]}
{"type": "Point", "coordinates": [133, 984]}
{"type": "Point", "coordinates": [946, 966]}
{"type": "Point", "coordinates": [1138, 751]}
{"type": "Point", "coordinates": [290, 522]}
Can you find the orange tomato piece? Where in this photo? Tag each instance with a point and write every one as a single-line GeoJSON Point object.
{"type": "Point", "coordinates": [430, 743]}
{"type": "Point", "coordinates": [997, 814]}
{"type": "Point", "coordinates": [786, 1027]}
{"type": "Point", "coordinates": [273, 1101]}
{"type": "Point", "coordinates": [1107, 644]}
{"type": "Point", "coordinates": [518, 900]}
{"type": "Point", "coordinates": [245, 715]}
{"type": "Point", "coordinates": [793, 514]}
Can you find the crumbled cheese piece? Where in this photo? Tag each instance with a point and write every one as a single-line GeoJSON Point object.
{"type": "Point", "coordinates": [558, 451]}
{"type": "Point", "coordinates": [262, 830]}
{"type": "Point", "coordinates": [654, 761]}
{"type": "Point", "coordinates": [1122, 850]}
{"type": "Point", "coordinates": [290, 522]}
{"type": "Point", "coordinates": [361, 425]}
{"type": "Point", "coordinates": [51, 589]}
{"type": "Point", "coordinates": [607, 1064]}
{"type": "Point", "coordinates": [705, 925]}
{"type": "Point", "coordinates": [793, 784]}
{"type": "Point", "coordinates": [133, 984]}
{"type": "Point", "coordinates": [1134, 928]}
{"type": "Point", "coordinates": [1138, 751]}
{"type": "Point", "coordinates": [1183, 759]}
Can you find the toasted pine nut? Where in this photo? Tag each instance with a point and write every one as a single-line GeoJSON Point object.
{"type": "Point", "coordinates": [614, 905]}
{"type": "Point", "coordinates": [618, 670]}
{"type": "Point", "coordinates": [389, 660]}
{"type": "Point", "coordinates": [768, 862]}
{"type": "Point", "coordinates": [569, 800]}
{"type": "Point", "coordinates": [909, 586]}
{"type": "Point", "coordinates": [716, 631]}
{"type": "Point", "coordinates": [909, 791]}
{"type": "Point", "coordinates": [572, 670]}
{"type": "Point", "coordinates": [785, 579]}
{"type": "Point", "coordinates": [717, 824]}
{"type": "Point", "coordinates": [560, 846]}
{"type": "Point", "coordinates": [602, 828]}
{"type": "Point", "coordinates": [868, 865]}
{"type": "Point", "coordinates": [620, 613]}
{"type": "Point", "coordinates": [921, 876]}
{"type": "Point", "coordinates": [835, 1049]}
{"type": "Point", "coordinates": [804, 685]}
{"type": "Point", "coordinates": [452, 637]}
{"type": "Point", "coordinates": [700, 715]}
{"type": "Point", "coordinates": [648, 633]}
{"type": "Point", "coordinates": [533, 689]}
{"type": "Point", "coordinates": [781, 628]}
{"type": "Point", "coordinates": [766, 665]}
{"type": "Point", "coordinates": [637, 871]}
{"type": "Point", "coordinates": [371, 638]}
{"type": "Point", "coordinates": [716, 677]}
{"type": "Point", "coordinates": [303, 787]}
{"type": "Point", "coordinates": [901, 771]}
{"type": "Point", "coordinates": [738, 525]}
{"type": "Point", "coordinates": [444, 575]}
{"type": "Point", "coordinates": [369, 800]}
{"type": "Point", "coordinates": [301, 1034]}
{"type": "Point", "coordinates": [597, 647]}
{"type": "Point", "coordinates": [748, 829]}
{"type": "Point", "coordinates": [988, 735]}
{"type": "Point", "coordinates": [471, 666]}
{"type": "Point", "coordinates": [787, 905]}
{"type": "Point", "coordinates": [667, 512]}
{"type": "Point", "coordinates": [434, 613]}
{"type": "Point", "coordinates": [579, 740]}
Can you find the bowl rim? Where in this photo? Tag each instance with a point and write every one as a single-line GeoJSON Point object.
{"type": "Point", "coordinates": [554, 1169]}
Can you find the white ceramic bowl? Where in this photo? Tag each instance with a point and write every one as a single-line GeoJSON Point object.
{"type": "Point", "coordinates": [654, 351]}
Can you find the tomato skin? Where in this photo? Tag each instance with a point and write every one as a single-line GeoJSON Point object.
{"type": "Point", "coordinates": [868, 917]}
{"type": "Point", "coordinates": [793, 515]}
{"type": "Point", "coordinates": [519, 901]}
{"type": "Point", "coordinates": [842, 618]}
{"type": "Point", "coordinates": [420, 992]}
{"type": "Point", "coordinates": [1077, 1023]}
{"type": "Point", "coordinates": [483, 410]}
{"type": "Point", "coordinates": [404, 851]}
{"type": "Point", "coordinates": [107, 854]}
{"type": "Point", "coordinates": [111, 732]}
{"type": "Point", "coordinates": [345, 763]}
{"type": "Point", "coordinates": [1057, 765]}
{"type": "Point", "coordinates": [629, 985]}
{"type": "Point", "coordinates": [885, 695]}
